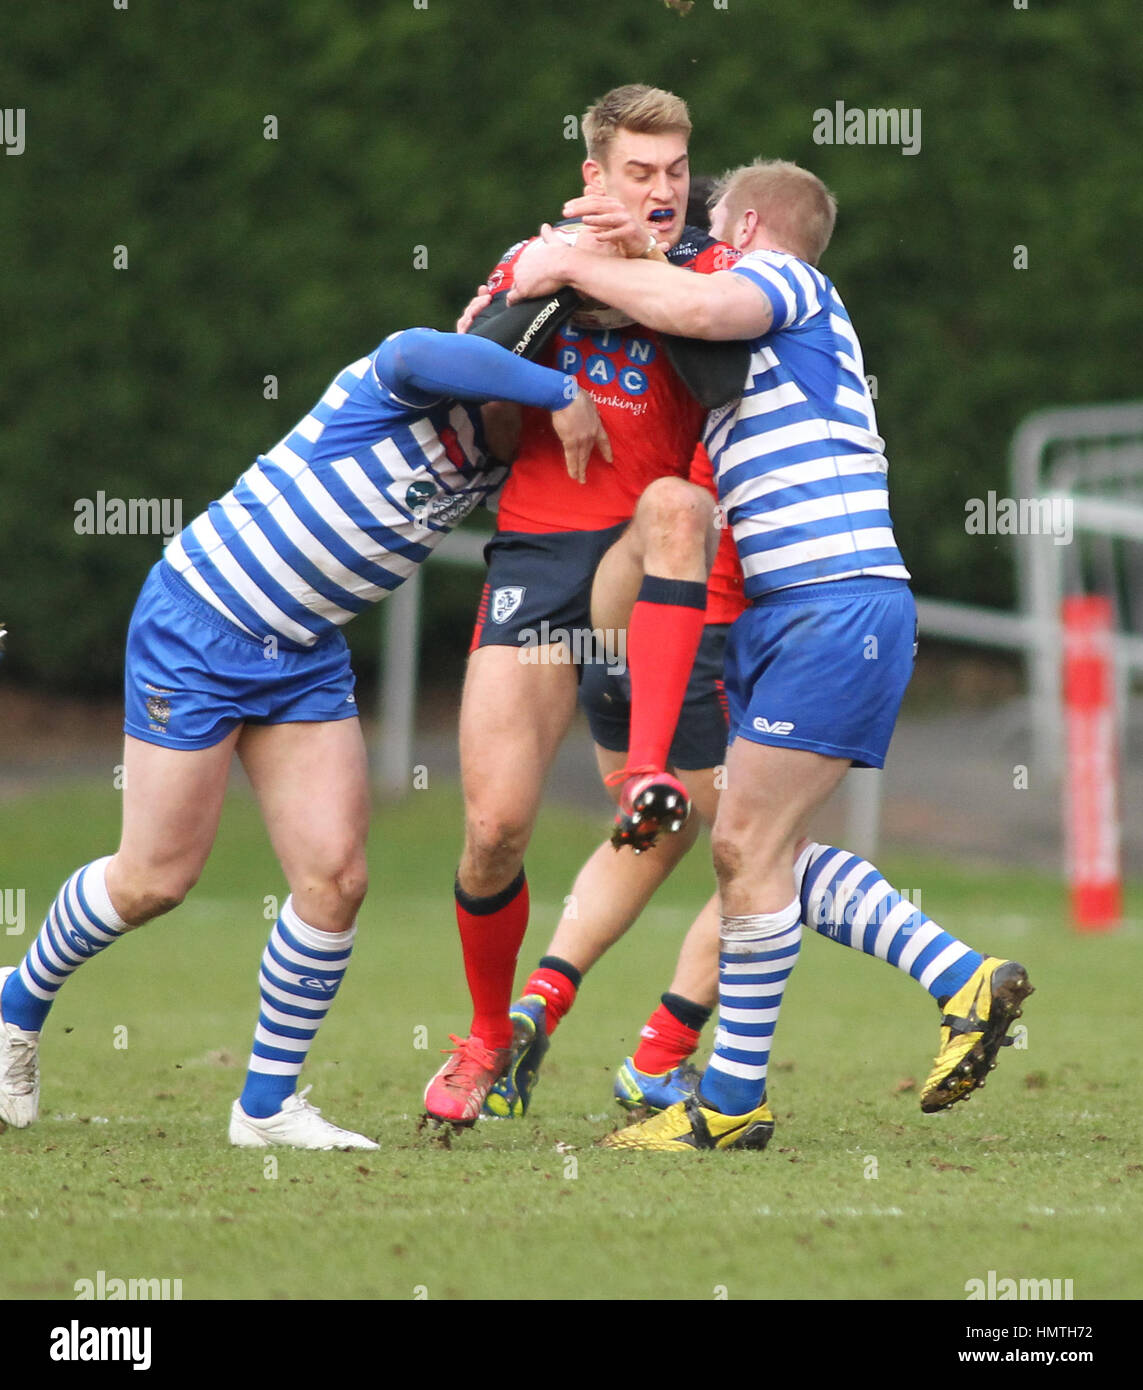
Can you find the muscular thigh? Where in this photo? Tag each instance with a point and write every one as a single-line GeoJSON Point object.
{"type": "Point", "coordinates": [617, 583]}
{"type": "Point", "coordinates": [513, 716]}
{"type": "Point", "coordinates": [771, 793]}
{"type": "Point", "coordinates": [172, 800]}
{"type": "Point", "coordinates": [533, 628]}
{"type": "Point", "coordinates": [312, 783]}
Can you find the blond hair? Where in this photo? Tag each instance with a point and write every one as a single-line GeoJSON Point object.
{"type": "Point", "coordinates": [793, 203]}
{"type": "Point", "coordinates": [643, 110]}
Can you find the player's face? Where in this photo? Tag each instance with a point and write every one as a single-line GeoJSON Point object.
{"type": "Point", "coordinates": [649, 174]}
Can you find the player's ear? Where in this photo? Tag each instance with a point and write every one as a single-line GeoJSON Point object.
{"type": "Point", "coordinates": [592, 176]}
{"type": "Point", "coordinates": [749, 225]}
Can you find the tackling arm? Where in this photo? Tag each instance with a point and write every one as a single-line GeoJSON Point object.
{"type": "Point", "coordinates": [432, 366]}
{"type": "Point", "coordinates": [421, 366]}
{"type": "Point", "coordinates": [664, 297]}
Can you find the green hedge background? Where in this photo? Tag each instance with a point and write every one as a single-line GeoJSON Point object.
{"type": "Point", "coordinates": [441, 124]}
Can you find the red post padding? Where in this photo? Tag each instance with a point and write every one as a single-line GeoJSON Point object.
{"type": "Point", "coordinates": [1092, 829]}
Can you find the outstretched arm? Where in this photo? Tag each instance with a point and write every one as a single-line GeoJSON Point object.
{"type": "Point", "coordinates": [673, 300]}
{"type": "Point", "coordinates": [421, 367]}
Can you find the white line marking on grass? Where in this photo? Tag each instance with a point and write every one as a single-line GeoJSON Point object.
{"type": "Point", "coordinates": [1083, 1212]}
{"type": "Point", "coordinates": [921, 1213]}
{"type": "Point", "coordinates": [804, 1213]}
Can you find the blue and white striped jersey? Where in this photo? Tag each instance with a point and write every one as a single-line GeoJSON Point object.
{"type": "Point", "coordinates": [799, 463]}
{"type": "Point", "coordinates": [345, 507]}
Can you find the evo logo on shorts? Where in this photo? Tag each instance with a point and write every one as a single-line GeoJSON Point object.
{"type": "Point", "coordinates": [506, 601]}
{"type": "Point", "coordinates": [779, 726]}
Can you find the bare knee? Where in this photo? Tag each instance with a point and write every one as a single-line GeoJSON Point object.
{"type": "Point", "coordinates": [675, 498]}
{"type": "Point", "coordinates": [330, 898]}
{"type": "Point", "coordinates": [494, 846]}
{"type": "Point", "coordinates": [727, 854]}
{"type": "Point", "coordinates": [677, 512]}
{"type": "Point", "coordinates": [350, 885]}
{"type": "Point", "coordinates": [141, 895]}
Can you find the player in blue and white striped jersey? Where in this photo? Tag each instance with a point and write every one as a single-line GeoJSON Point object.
{"type": "Point", "coordinates": [345, 507]}
{"type": "Point", "coordinates": [799, 463]}
{"type": "Point", "coordinates": [818, 664]}
{"type": "Point", "coordinates": [235, 648]}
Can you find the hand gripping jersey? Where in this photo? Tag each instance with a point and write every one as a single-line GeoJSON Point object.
{"type": "Point", "coordinates": [345, 507]}
{"type": "Point", "coordinates": [651, 418]}
{"type": "Point", "coordinates": [798, 459]}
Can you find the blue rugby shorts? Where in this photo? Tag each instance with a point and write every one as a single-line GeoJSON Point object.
{"type": "Point", "coordinates": [191, 676]}
{"type": "Point", "coordinates": [823, 667]}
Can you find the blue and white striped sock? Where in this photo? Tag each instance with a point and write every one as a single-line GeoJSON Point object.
{"type": "Point", "coordinates": [845, 898]}
{"type": "Point", "coordinates": [756, 956]}
{"type": "Point", "coordinates": [80, 924]}
{"type": "Point", "coordinates": [302, 968]}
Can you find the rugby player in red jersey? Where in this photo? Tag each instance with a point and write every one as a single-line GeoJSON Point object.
{"type": "Point", "coordinates": [555, 529]}
{"type": "Point", "coordinates": [611, 891]}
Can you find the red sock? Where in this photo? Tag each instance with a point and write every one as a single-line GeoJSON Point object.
{"type": "Point", "coordinates": [557, 991]}
{"type": "Point", "coordinates": [662, 640]}
{"type": "Point", "coordinates": [664, 1043]}
{"type": "Point", "coordinates": [491, 931]}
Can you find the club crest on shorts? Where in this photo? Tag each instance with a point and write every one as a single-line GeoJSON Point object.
{"type": "Point", "coordinates": [505, 601]}
{"type": "Point", "coordinates": [158, 708]}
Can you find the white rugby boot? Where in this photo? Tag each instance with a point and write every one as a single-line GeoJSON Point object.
{"type": "Point", "coordinates": [298, 1125]}
{"type": "Point", "coordinates": [19, 1070]}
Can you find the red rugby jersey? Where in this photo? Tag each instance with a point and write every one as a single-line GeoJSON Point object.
{"type": "Point", "coordinates": [651, 419]}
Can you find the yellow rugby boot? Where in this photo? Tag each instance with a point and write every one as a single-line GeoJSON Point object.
{"type": "Point", "coordinates": [974, 1023]}
{"type": "Point", "coordinates": [690, 1125]}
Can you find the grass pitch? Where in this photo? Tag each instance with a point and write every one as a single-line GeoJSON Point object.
{"type": "Point", "coordinates": [859, 1196]}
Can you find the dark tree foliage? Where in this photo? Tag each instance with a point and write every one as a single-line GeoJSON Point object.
{"type": "Point", "coordinates": [443, 130]}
